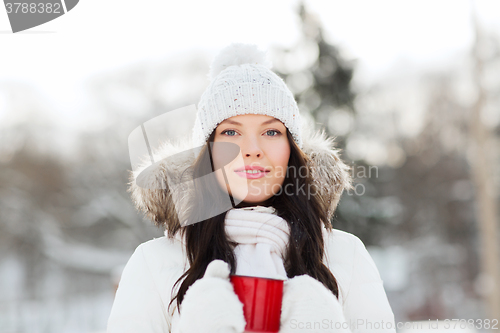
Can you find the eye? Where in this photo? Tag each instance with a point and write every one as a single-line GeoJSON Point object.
{"type": "Point", "coordinates": [228, 130]}
{"type": "Point", "coordinates": [275, 131]}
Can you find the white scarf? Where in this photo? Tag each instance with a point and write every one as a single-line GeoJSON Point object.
{"type": "Point", "coordinates": [262, 237]}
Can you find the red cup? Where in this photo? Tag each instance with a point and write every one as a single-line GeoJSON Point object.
{"type": "Point", "coordinates": [261, 298]}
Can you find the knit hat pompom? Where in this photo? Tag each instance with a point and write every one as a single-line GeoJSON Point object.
{"type": "Point", "coordinates": [238, 54]}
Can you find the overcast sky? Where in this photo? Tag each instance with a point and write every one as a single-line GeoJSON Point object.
{"type": "Point", "coordinates": [106, 34]}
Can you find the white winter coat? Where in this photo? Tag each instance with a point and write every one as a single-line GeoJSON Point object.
{"type": "Point", "coordinates": [145, 289]}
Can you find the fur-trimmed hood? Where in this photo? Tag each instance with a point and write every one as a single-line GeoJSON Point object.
{"type": "Point", "coordinates": [147, 182]}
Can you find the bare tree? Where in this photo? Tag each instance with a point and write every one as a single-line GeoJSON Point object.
{"type": "Point", "coordinates": [481, 159]}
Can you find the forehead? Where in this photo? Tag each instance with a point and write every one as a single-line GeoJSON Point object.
{"type": "Point", "coordinates": [251, 119]}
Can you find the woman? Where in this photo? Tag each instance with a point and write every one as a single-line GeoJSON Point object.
{"type": "Point", "coordinates": [256, 200]}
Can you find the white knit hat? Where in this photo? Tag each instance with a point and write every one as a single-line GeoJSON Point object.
{"type": "Point", "coordinates": [243, 83]}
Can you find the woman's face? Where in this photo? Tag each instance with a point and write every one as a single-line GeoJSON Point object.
{"type": "Point", "coordinates": [258, 172]}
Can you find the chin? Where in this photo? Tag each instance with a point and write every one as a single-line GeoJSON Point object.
{"type": "Point", "coordinates": [242, 194]}
{"type": "Point", "coordinates": [253, 201]}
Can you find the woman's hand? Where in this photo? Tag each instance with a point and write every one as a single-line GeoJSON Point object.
{"type": "Point", "coordinates": [210, 304]}
{"type": "Point", "coordinates": [308, 306]}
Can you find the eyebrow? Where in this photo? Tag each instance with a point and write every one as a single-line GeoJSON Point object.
{"type": "Point", "coordinates": [239, 124]}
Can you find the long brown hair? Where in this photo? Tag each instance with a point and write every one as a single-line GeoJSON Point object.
{"type": "Point", "coordinates": [304, 212]}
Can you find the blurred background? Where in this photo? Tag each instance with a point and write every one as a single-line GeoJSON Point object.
{"type": "Point", "coordinates": [410, 89]}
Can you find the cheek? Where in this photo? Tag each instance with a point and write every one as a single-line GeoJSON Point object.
{"type": "Point", "coordinates": [280, 157]}
{"type": "Point", "coordinates": [221, 181]}
{"type": "Point", "coordinates": [225, 154]}
{"type": "Point", "coordinates": [285, 157]}
{"type": "Point", "coordinates": [217, 157]}
{"type": "Point", "coordinates": [224, 159]}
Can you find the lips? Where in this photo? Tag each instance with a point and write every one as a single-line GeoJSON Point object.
{"type": "Point", "coordinates": [251, 172]}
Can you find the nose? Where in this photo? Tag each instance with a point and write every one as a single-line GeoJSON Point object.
{"type": "Point", "coordinates": [250, 147]}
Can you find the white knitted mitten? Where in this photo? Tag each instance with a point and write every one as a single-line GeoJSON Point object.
{"type": "Point", "coordinates": [210, 304]}
{"type": "Point", "coordinates": [308, 306]}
